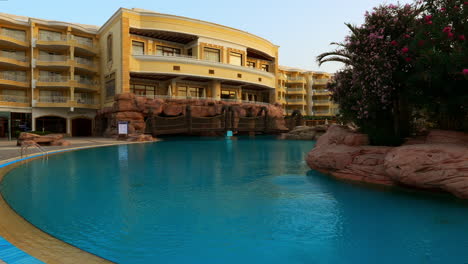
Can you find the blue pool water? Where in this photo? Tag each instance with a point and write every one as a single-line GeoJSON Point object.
{"type": "Point", "coordinates": [221, 201]}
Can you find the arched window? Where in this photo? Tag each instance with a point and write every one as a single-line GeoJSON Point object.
{"type": "Point", "coordinates": [109, 48]}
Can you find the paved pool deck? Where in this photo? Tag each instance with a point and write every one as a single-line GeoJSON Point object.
{"type": "Point", "coordinates": [16, 233]}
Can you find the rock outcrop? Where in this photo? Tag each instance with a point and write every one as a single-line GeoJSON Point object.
{"type": "Point", "coordinates": [47, 140]}
{"type": "Point", "coordinates": [134, 109]}
{"type": "Point", "coordinates": [305, 132]}
{"type": "Point", "coordinates": [437, 162]}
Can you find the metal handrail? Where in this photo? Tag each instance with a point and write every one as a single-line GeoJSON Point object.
{"type": "Point", "coordinates": [13, 98]}
{"type": "Point", "coordinates": [53, 57]}
{"type": "Point", "coordinates": [13, 77]}
{"type": "Point", "coordinates": [53, 99]}
{"type": "Point", "coordinates": [12, 55]}
{"type": "Point", "coordinates": [84, 61]}
{"type": "Point", "coordinates": [54, 78]}
{"type": "Point", "coordinates": [13, 34]}
{"type": "Point", "coordinates": [203, 98]}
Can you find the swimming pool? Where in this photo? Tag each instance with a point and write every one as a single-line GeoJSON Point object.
{"type": "Point", "coordinates": [229, 201]}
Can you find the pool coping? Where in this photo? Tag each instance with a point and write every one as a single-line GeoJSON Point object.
{"type": "Point", "coordinates": [32, 240]}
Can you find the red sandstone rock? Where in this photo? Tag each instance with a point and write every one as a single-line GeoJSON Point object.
{"type": "Point", "coordinates": [51, 139]}
{"type": "Point", "coordinates": [140, 138]}
{"type": "Point", "coordinates": [430, 166]}
{"type": "Point", "coordinates": [342, 154]}
{"type": "Point", "coordinates": [173, 109]}
{"type": "Point", "coordinates": [444, 136]}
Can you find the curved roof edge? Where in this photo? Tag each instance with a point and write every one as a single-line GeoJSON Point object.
{"type": "Point", "coordinates": [153, 13]}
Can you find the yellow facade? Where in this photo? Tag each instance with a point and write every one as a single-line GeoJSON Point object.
{"type": "Point", "coordinates": [53, 70]}
{"type": "Point", "coordinates": [305, 91]}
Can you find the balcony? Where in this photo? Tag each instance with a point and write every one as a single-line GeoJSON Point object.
{"type": "Point", "coordinates": [13, 60]}
{"type": "Point", "coordinates": [53, 81]}
{"type": "Point", "coordinates": [83, 102]}
{"type": "Point", "coordinates": [85, 45]}
{"type": "Point", "coordinates": [53, 41]}
{"type": "Point", "coordinates": [321, 102]}
{"type": "Point", "coordinates": [11, 79]}
{"type": "Point", "coordinates": [85, 64]}
{"type": "Point", "coordinates": [296, 80]}
{"type": "Point", "coordinates": [321, 92]}
{"type": "Point", "coordinates": [53, 101]}
{"type": "Point", "coordinates": [296, 101]}
{"type": "Point", "coordinates": [13, 38]}
{"type": "Point", "coordinates": [53, 61]}
{"type": "Point", "coordinates": [191, 66]}
{"type": "Point", "coordinates": [320, 81]}
{"type": "Point", "coordinates": [86, 83]}
{"type": "Point", "coordinates": [14, 100]}
{"type": "Point", "coordinates": [322, 113]}
{"type": "Point", "coordinates": [296, 91]}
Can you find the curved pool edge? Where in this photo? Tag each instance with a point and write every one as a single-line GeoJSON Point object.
{"type": "Point", "coordinates": [32, 240]}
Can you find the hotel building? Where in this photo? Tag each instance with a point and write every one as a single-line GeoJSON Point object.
{"type": "Point", "coordinates": [306, 92]}
{"type": "Point", "coordinates": [54, 76]}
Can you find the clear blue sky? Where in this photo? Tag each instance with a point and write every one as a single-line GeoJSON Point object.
{"type": "Point", "coordinates": [302, 28]}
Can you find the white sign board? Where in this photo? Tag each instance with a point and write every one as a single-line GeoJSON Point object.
{"type": "Point", "coordinates": [123, 128]}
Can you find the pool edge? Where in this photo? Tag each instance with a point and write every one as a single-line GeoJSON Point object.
{"type": "Point", "coordinates": [32, 240]}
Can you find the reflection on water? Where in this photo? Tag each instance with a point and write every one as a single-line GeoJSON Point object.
{"type": "Point", "coordinates": [229, 201]}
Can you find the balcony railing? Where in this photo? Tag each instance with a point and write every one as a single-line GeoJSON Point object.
{"type": "Point", "coordinates": [86, 81]}
{"type": "Point", "coordinates": [295, 78]}
{"type": "Point", "coordinates": [13, 98]}
{"type": "Point", "coordinates": [53, 99]}
{"type": "Point", "coordinates": [321, 101]}
{"type": "Point", "coordinates": [52, 37]}
{"type": "Point", "coordinates": [80, 100]}
{"type": "Point", "coordinates": [321, 112]}
{"type": "Point", "coordinates": [296, 90]}
{"type": "Point", "coordinates": [295, 100]}
{"type": "Point", "coordinates": [84, 61]}
{"type": "Point", "coordinates": [13, 77]}
{"type": "Point", "coordinates": [323, 91]}
{"type": "Point", "coordinates": [198, 59]}
{"type": "Point", "coordinates": [12, 55]}
{"type": "Point", "coordinates": [320, 81]}
{"type": "Point", "coordinates": [53, 58]}
{"type": "Point", "coordinates": [54, 78]}
{"type": "Point", "coordinates": [83, 41]}
{"type": "Point", "coordinates": [13, 34]}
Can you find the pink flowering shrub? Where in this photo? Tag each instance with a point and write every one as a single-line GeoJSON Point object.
{"type": "Point", "coordinates": [440, 86]}
{"type": "Point", "coordinates": [404, 60]}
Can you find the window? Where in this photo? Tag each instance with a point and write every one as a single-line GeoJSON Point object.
{"type": "Point", "coordinates": [138, 48]}
{"type": "Point", "coordinates": [226, 94]}
{"type": "Point", "coordinates": [14, 33]}
{"type": "Point", "coordinates": [212, 54]}
{"type": "Point", "coordinates": [265, 67]}
{"type": "Point", "coordinates": [48, 35]}
{"type": "Point", "coordinates": [235, 59]}
{"type": "Point", "coordinates": [109, 48]}
{"type": "Point", "coordinates": [110, 85]}
{"type": "Point", "coordinates": [251, 64]}
{"type": "Point", "coordinates": [150, 91]}
{"type": "Point", "coordinates": [190, 91]}
{"type": "Point", "coordinates": [190, 52]}
{"type": "Point", "coordinates": [167, 51]}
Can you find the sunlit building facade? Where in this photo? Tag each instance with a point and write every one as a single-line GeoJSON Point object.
{"type": "Point", "coordinates": [54, 76]}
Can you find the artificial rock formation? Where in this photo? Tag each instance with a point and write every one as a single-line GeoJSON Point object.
{"type": "Point", "coordinates": [134, 109]}
{"type": "Point", "coordinates": [47, 140]}
{"type": "Point", "coordinates": [305, 133]}
{"type": "Point", "coordinates": [436, 162]}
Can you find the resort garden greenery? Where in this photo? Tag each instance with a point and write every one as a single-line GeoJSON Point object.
{"type": "Point", "coordinates": [407, 65]}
